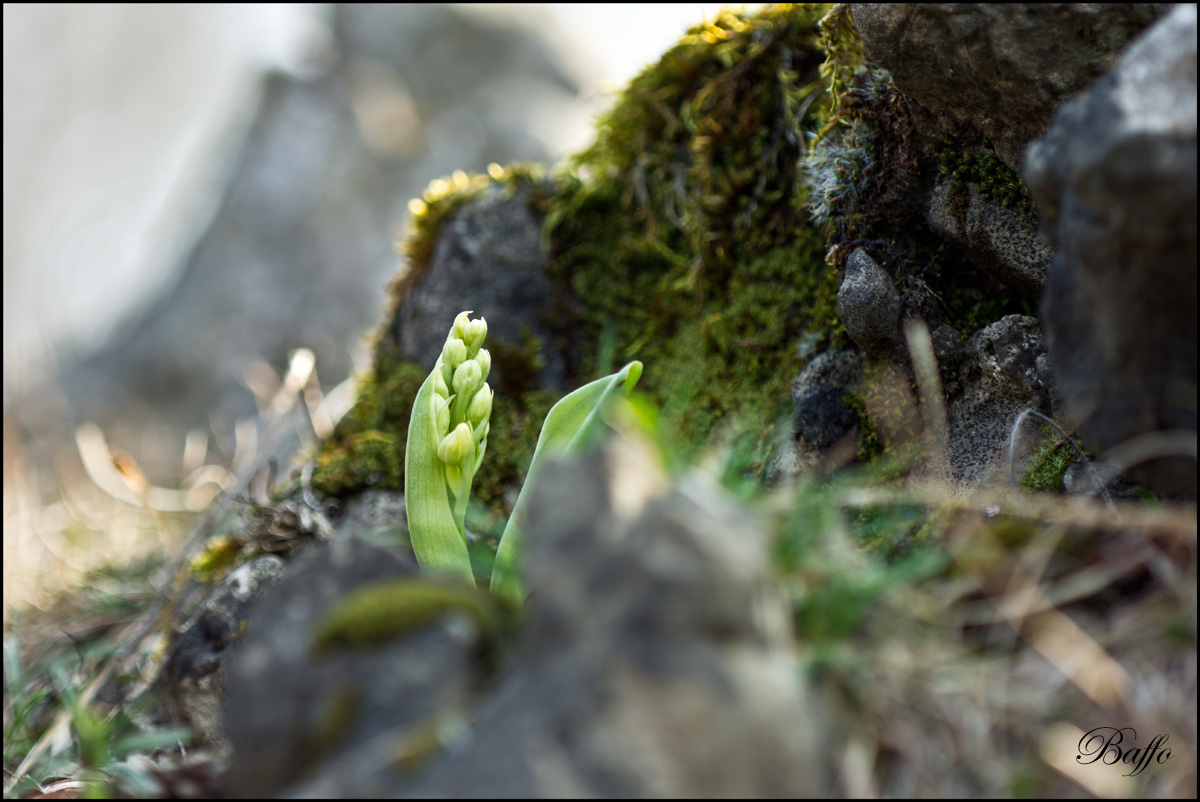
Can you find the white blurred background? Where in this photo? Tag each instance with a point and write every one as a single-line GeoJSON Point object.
{"type": "Point", "coordinates": [119, 122]}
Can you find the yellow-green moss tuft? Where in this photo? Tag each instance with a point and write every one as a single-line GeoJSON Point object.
{"type": "Point", "coordinates": [217, 557]}
{"type": "Point", "coordinates": [383, 611]}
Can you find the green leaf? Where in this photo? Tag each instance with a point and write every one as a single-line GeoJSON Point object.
{"type": "Point", "coordinates": [570, 427]}
{"type": "Point", "coordinates": [438, 544]}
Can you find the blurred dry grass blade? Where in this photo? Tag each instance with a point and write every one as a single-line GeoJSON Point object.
{"type": "Point", "coordinates": [118, 475]}
{"type": "Point", "coordinates": [318, 413]}
{"type": "Point", "coordinates": [933, 405]}
{"type": "Point", "coordinates": [338, 401]}
{"type": "Point", "coordinates": [1146, 447]}
{"type": "Point", "coordinates": [857, 769]}
{"type": "Point", "coordinates": [300, 368]}
{"type": "Point", "coordinates": [1051, 632]}
{"type": "Point", "coordinates": [1059, 747]}
{"type": "Point", "coordinates": [195, 450]}
{"type": "Point", "coordinates": [245, 443]}
{"type": "Point", "coordinates": [128, 469]}
{"type": "Point", "coordinates": [262, 381]}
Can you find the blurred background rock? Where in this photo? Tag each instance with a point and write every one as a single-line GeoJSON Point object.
{"type": "Point", "coordinates": [193, 195]}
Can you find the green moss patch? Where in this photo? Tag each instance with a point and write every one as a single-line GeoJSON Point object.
{"type": "Point", "coordinates": [978, 165]}
{"type": "Point", "coordinates": [1049, 462]}
{"type": "Point", "coordinates": [682, 231]}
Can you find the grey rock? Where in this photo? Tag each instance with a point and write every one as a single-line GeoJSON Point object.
{"type": "Point", "coordinates": [656, 661]}
{"type": "Point", "coordinates": [996, 238]}
{"type": "Point", "coordinates": [949, 350]}
{"type": "Point", "coordinates": [191, 682]}
{"type": "Point", "coordinates": [820, 414]}
{"type": "Point", "coordinates": [1078, 481]}
{"type": "Point", "coordinates": [869, 305]}
{"type": "Point", "coordinates": [997, 70]}
{"type": "Point", "coordinates": [1115, 178]}
{"type": "Point", "coordinates": [1082, 480]}
{"type": "Point", "coordinates": [488, 258]}
{"type": "Point", "coordinates": [999, 380]}
{"type": "Point", "coordinates": [287, 709]}
{"type": "Point", "coordinates": [376, 516]}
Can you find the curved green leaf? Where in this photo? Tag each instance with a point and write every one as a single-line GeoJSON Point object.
{"type": "Point", "coordinates": [569, 428]}
{"type": "Point", "coordinates": [435, 537]}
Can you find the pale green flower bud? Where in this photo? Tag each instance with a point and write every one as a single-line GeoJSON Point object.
{"type": "Point", "coordinates": [474, 334]}
{"type": "Point", "coordinates": [441, 414]}
{"type": "Point", "coordinates": [467, 378]}
{"type": "Point", "coordinates": [454, 353]}
{"type": "Point", "coordinates": [456, 445]}
{"type": "Point", "coordinates": [439, 384]}
{"type": "Point", "coordinates": [481, 405]}
{"type": "Point", "coordinates": [460, 325]}
{"type": "Point", "coordinates": [485, 362]}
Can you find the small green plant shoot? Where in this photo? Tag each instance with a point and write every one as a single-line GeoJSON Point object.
{"type": "Point", "coordinates": [447, 439]}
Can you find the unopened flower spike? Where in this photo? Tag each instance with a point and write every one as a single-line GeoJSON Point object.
{"type": "Point", "coordinates": [447, 437]}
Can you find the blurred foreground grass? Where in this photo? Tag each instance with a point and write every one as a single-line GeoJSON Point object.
{"type": "Point", "coordinates": [958, 643]}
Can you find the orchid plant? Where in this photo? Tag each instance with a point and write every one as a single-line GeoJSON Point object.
{"type": "Point", "coordinates": [447, 439]}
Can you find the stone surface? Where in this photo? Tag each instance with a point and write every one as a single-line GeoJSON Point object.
{"type": "Point", "coordinates": [191, 682]}
{"type": "Point", "coordinates": [869, 306]}
{"type": "Point", "coordinates": [996, 238]}
{"type": "Point", "coordinates": [287, 709]}
{"type": "Point", "coordinates": [820, 415]}
{"type": "Point", "coordinates": [655, 661]}
{"type": "Point", "coordinates": [998, 378]}
{"type": "Point", "coordinates": [996, 70]}
{"type": "Point", "coordinates": [376, 516]}
{"type": "Point", "coordinates": [1078, 480]}
{"type": "Point", "coordinates": [488, 259]}
{"type": "Point", "coordinates": [1115, 178]}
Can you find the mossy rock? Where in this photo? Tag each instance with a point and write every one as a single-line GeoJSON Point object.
{"type": "Point", "coordinates": [681, 239]}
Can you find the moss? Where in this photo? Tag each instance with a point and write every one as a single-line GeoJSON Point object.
{"type": "Point", "coordinates": [367, 446]}
{"type": "Point", "coordinates": [1014, 532]}
{"type": "Point", "coordinates": [870, 445]}
{"type": "Point", "coordinates": [215, 560]}
{"type": "Point", "coordinates": [970, 298]}
{"type": "Point", "coordinates": [383, 611]}
{"type": "Point", "coordinates": [974, 163]}
{"type": "Point", "coordinates": [1049, 462]}
{"type": "Point", "coordinates": [683, 236]}
{"type": "Point", "coordinates": [840, 170]}
{"type": "Point", "coordinates": [338, 714]}
{"type": "Point", "coordinates": [885, 408]}
{"type": "Point", "coordinates": [682, 233]}
{"type": "Point", "coordinates": [844, 57]}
